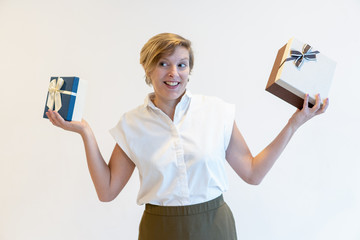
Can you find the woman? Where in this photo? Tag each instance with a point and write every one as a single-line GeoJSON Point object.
{"type": "Point", "coordinates": [179, 142]}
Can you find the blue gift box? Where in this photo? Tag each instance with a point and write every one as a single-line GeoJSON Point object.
{"type": "Point", "coordinates": [66, 95]}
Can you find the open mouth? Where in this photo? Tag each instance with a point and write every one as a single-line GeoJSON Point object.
{"type": "Point", "coordinates": [172, 83]}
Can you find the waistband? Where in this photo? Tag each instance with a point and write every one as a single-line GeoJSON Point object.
{"type": "Point", "coordinates": [185, 210]}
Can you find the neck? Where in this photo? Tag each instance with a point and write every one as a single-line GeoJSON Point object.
{"type": "Point", "coordinates": [168, 107]}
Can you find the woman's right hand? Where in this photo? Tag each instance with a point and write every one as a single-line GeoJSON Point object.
{"type": "Point", "coordinates": [73, 126]}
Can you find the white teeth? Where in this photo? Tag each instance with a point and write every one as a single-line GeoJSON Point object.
{"type": "Point", "coordinates": [172, 83]}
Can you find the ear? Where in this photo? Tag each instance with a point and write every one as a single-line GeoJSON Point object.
{"type": "Point", "coordinates": [148, 80]}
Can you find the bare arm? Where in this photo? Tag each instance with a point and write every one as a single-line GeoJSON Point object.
{"type": "Point", "coordinates": [253, 169]}
{"type": "Point", "coordinates": [109, 179]}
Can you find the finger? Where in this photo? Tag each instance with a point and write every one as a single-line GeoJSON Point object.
{"type": "Point", "coordinates": [54, 118]}
{"type": "Point", "coordinates": [326, 103]}
{"type": "Point", "coordinates": [316, 107]}
{"type": "Point", "coordinates": [324, 106]}
{"type": "Point", "coordinates": [50, 117]}
{"type": "Point", "coordinates": [306, 101]}
{"type": "Point", "coordinates": [59, 120]}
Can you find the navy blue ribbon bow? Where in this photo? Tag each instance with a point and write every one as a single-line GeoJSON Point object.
{"type": "Point", "coordinates": [299, 57]}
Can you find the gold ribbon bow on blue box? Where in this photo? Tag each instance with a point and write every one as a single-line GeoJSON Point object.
{"type": "Point", "coordinates": [54, 96]}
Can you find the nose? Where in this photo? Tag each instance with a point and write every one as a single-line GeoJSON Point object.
{"type": "Point", "coordinates": [173, 71]}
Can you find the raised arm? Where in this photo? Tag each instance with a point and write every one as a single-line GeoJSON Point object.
{"type": "Point", "coordinates": [253, 169]}
{"type": "Point", "coordinates": [109, 179]}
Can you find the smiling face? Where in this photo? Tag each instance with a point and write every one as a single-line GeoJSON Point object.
{"type": "Point", "coordinates": [170, 76]}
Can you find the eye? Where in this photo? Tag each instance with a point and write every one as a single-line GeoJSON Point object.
{"type": "Point", "coordinates": [182, 65]}
{"type": "Point", "coordinates": [163, 64]}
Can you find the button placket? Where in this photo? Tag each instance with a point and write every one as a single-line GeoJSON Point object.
{"type": "Point", "coordinates": [182, 173]}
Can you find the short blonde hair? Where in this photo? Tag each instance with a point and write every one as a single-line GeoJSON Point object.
{"type": "Point", "coordinates": [160, 45]}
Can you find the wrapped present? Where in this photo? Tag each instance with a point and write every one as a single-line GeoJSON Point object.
{"type": "Point", "coordinates": [66, 95]}
{"type": "Point", "coordinates": [298, 70]}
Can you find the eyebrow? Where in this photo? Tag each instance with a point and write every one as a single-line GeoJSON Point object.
{"type": "Point", "coordinates": [165, 58]}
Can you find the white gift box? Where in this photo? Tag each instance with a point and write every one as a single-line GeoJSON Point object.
{"type": "Point", "coordinates": [299, 70]}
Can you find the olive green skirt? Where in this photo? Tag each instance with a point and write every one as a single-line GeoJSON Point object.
{"type": "Point", "coordinates": [212, 220]}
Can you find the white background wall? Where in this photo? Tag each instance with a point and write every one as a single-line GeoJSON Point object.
{"type": "Point", "coordinates": [45, 189]}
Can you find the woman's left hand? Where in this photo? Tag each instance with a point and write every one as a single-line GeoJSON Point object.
{"type": "Point", "coordinates": [306, 113]}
